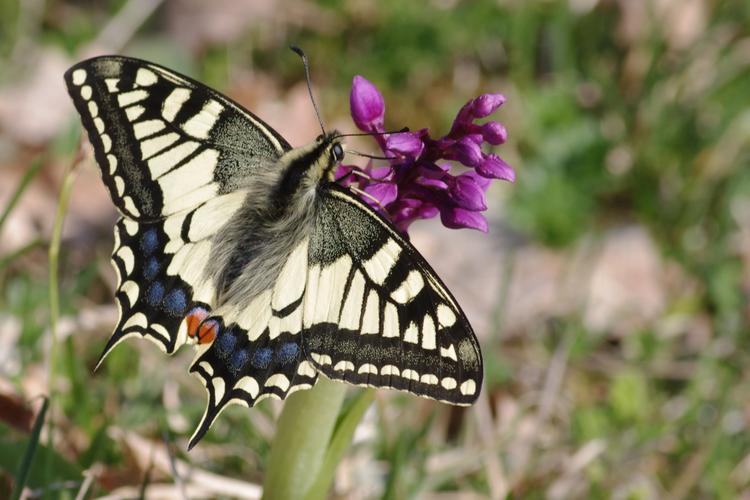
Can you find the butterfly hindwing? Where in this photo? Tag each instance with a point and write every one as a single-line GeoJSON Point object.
{"type": "Point", "coordinates": [376, 313]}
{"type": "Point", "coordinates": [165, 142]}
{"type": "Point", "coordinates": [257, 350]}
{"type": "Point", "coordinates": [161, 274]}
{"type": "Point", "coordinates": [141, 263]}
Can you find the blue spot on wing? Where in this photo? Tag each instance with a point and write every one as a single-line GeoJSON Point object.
{"type": "Point", "coordinates": [262, 358]}
{"type": "Point", "coordinates": [149, 241]}
{"type": "Point", "coordinates": [176, 302]}
{"type": "Point", "coordinates": [287, 352]}
{"type": "Point", "coordinates": [225, 344]}
{"type": "Point", "coordinates": [155, 293]}
{"type": "Point", "coordinates": [151, 269]}
{"type": "Point", "coordinates": [239, 360]}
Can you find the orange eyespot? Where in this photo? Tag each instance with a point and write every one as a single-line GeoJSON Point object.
{"type": "Point", "coordinates": [207, 331]}
{"type": "Point", "coordinates": [194, 318]}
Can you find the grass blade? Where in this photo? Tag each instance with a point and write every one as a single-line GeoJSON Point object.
{"type": "Point", "coordinates": [28, 456]}
{"type": "Point", "coordinates": [30, 173]}
{"type": "Point", "coordinates": [8, 259]}
{"type": "Point", "coordinates": [54, 291]}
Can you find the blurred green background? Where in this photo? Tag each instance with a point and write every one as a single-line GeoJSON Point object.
{"type": "Point", "coordinates": [611, 296]}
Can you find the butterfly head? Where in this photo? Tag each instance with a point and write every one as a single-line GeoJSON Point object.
{"type": "Point", "coordinates": [306, 167]}
{"type": "Point", "coordinates": [329, 148]}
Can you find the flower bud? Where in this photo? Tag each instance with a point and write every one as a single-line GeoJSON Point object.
{"type": "Point", "coordinates": [494, 133]}
{"type": "Point", "coordinates": [486, 104]}
{"type": "Point", "coordinates": [466, 193]}
{"type": "Point", "coordinates": [456, 218]}
{"type": "Point", "coordinates": [367, 105]}
{"type": "Point", "coordinates": [467, 152]}
{"type": "Point", "coordinates": [496, 168]}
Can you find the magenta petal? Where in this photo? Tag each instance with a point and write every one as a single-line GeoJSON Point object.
{"type": "Point", "coordinates": [496, 168]}
{"type": "Point", "coordinates": [494, 133]}
{"type": "Point", "coordinates": [407, 210]}
{"type": "Point", "coordinates": [466, 193]}
{"type": "Point", "coordinates": [406, 144]}
{"type": "Point", "coordinates": [467, 152]}
{"type": "Point", "coordinates": [381, 173]}
{"type": "Point", "coordinates": [456, 218]}
{"type": "Point", "coordinates": [428, 211]}
{"type": "Point", "coordinates": [402, 216]}
{"type": "Point", "coordinates": [481, 181]}
{"type": "Point", "coordinates": [433, 169]}
{"type": "Point", "coordinates": [486, 104]}
{"type": "Point", "coordinates": [367, 105]}
{"type": "Point", "coordinates": [343, 175]}
{"type": "Point", "coordinates": [384, 192]}
{"type": "Point", "coordinates": [431, 182]}
{"type": "Point", "coordinates": [342, 170]}
{"type": "Point", "coordinates": [477, 139]}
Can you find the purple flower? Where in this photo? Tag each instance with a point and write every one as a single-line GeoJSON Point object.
{"type": "Point", "coordinates": [494, 133]}
{"type": "Point", "coordinates": [494, 167]}
{"type": "Point", "coordinates": [406, 144]}
{"type": "Point", "coordinates": [417, 182]}
{"type": "Point", "coordinates": [467, 151]}
{"type": "Point", "coordinates": [367, 105]}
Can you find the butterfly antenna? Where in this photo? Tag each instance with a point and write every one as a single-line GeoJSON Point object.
{"type": "Point", "coordinates": [387, 132]}
{"type": "Point", "coordinates": [373, 157]}
{"type": "Point", "coordinates": [302, 56]}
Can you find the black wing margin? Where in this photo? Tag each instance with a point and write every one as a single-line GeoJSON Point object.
{"type": "Point", "coordinates": [376, 313]}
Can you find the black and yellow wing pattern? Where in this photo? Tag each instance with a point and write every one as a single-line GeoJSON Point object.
{"type": "Point", "coordinates": [376, 314]}
{"type": "Point", "coordinates": [354, 300]}
{"type": "Point", "coordinates": [172, 154]}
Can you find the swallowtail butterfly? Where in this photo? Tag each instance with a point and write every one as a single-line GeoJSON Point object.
{"type": "Point", "coordinates": [233, 241]}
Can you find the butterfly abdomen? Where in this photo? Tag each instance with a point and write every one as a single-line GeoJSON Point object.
{"type": "Point", "coordinates": [250, 250]}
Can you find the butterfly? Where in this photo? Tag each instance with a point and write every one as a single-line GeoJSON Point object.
{"type": "Point", "coordinates": [235, 242]}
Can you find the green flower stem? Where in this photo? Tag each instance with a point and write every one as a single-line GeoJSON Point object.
{"type": "Point", "coordinates": [347, 423]}
{"type": "Point", "coordinates": [303, 434]}
{"type": "Point", "coordinates": [54, 292]}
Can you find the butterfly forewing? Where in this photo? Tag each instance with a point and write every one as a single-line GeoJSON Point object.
{"type": "Point", "coordinates": [375, 312]}
{"type": "Point", "coordinates": [174, 155]}
{"type": "Point", "coordinates": [163, 141]}
{"type": "Point", "coordinates": [161, 270]}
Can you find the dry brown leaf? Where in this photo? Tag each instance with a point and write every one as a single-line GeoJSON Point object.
{"type": "Point", "coordinates": [148, 453]}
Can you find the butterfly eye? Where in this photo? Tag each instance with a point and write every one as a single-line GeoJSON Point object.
{"type": "Point", "coordinates": [337, 152]}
